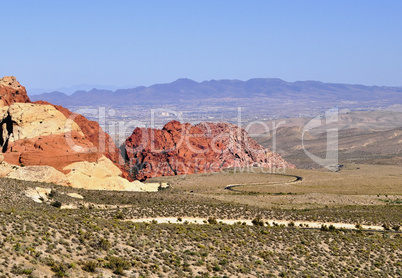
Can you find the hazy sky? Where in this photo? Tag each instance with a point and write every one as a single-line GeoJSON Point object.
{"type": "Point", "coordinates": [51, 44]}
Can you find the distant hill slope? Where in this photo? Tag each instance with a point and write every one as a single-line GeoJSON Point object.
{"type": "Point", "coordinates": [186, 89]}
{"type": "Point", "coordinates": [373, 137]}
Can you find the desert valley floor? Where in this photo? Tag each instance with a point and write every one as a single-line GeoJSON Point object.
{"type": "Point", "coordinates": [84, 233]}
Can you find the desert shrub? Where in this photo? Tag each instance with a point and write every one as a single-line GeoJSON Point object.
{"type": "Point", "coordinates": [291, 224]}
{"type": "Point", "coordinates": [119, 215]}
{"type": "Point", "coordinates": [49, 261]}
{"type": "Point", "coordinates": [257, 221]}
{"type": "Point", "coordinates": [212, 220]}
{"type": "Point", "coordinates": [60, 269]}
{"type": "Point", "coordinates": [56, 204]}
{"type": "Point", "coordinates": [117, 264]}
{"type": "Point", "coordinates": [104, 244]}
{"type": "Point", "coordinates": [266, 255]}
{"type": "Point", "coordinates": [19, 270]}
{"type": "Point", "coordinates": [90, 266]}
{"type": "Point", "coordinates": [223, 262]}
{"type": "Point", "coordinates": [52, 193]}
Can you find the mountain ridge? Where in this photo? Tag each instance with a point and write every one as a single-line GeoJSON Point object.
{"type": "Point", "coordinates": [186, 89]}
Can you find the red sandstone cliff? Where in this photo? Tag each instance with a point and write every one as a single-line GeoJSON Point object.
{"type": "Point", "coordinates": [184, 149]}
{"type": "Point", "coordinates": [47, 143]}
{"type": "Point", "coordinates": [102, 141]}
{"type": "Point", "coordinates": [38, 134]}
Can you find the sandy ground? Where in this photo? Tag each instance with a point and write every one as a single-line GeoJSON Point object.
{"type": "Point", "coordinates": [308, 200]}
{"type": "Point", "coordinates": [300, 224]}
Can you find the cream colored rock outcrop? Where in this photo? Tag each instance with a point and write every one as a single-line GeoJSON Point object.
{"type": "Point", "coordinates": [6, 169]}
{"type": "Point", "coordinates": [33, 120]}
{"type": "Point", "coordinates": [103, 175]}
{"type": "Point", "coordinates": [103, 168]}
{"type": "Point", "coordinates": [75, 195]}
{"type": "Point", "coordinates": [10, 81]}
{"type": "Point", "coordinates": [37, 173]}
{"type": "Point", "coordinates": [35, 195]}
{"type": "Point", "coordinates": [100, 175]}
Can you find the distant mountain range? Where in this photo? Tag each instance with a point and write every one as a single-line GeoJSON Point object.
{"type": "Point", "coordinates": [189, 90]}
{"type": "Point", "coordinates": [73, 89]}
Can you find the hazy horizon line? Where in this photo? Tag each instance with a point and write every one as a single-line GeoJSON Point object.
{"type": "Point", "coordinates": [69, 90]}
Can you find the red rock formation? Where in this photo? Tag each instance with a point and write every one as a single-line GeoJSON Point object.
{"type": "Point", "coordinates": [240, 149]}
{"type": "Point", "coordinates": [35, 134]}
{"type": "Point", "coordinates": [11, 91]}
{"type": "Point", "coordinates": [176, 149]}
{"type": "Point", "coordinates": [184, 149]}
{"type": "Point", "coordinates": [51, 150]}
{"type": "Point", "coordinates": [94, 133]}
{"type": "Point", "coordinates": [54, 149]}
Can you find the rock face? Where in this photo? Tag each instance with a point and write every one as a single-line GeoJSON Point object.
{"type": "Point", "coordinates": [102, 173]}
{"type": "Point", "coordinates": [34, 173]}
{"type": "Point", "coordinates": [101, 141]}
{"type": "Point", "coordinates": [34, 134]}
{"type": "Point", "coordinates": [240, 149]}
{"type": "Point", "coordinates": [11, 91]}
{"type": "Point", "coordinates": [99, 175]}
{"type": "Point", "coordinates": [185, 149]}
{"type": "Point", "coordinates": [42, 142]}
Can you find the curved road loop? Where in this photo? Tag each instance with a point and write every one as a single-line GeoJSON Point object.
{"type": "Point", "coordinates": [296, 179]}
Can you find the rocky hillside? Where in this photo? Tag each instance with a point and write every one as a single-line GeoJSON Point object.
{"type": "Point", "coordinates": [179, 149]}
{"type": "Point", "coordinates": [42, 142]}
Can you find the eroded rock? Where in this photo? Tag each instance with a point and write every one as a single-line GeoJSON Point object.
{"type": "Point", "coordinates": [11, 91]}
{"type": "Point", "coordinates": [180, 149]}
{"type": "Point", "coordinates": [99, 175]}
{"type": "Point", "coordinates": [102, 142]}
{"type": "Point", "coordinates": [46, 143]}
{"type": "Point", "coordinates": [34, 134]}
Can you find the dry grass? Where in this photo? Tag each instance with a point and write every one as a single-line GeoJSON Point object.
{"type": "Point", "coordinates": [352, 185]}
{"type": "Point", "coordinates": [60, 245]}
{"type": "Point", "coordinates": [354, 179]}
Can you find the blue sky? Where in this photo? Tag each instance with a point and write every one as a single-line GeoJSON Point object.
{"type": "Point", "coordinates": [51, 44]}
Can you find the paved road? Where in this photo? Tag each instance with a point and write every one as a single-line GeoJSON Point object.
{"type": "Point", "coordinates": [296, 179]}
